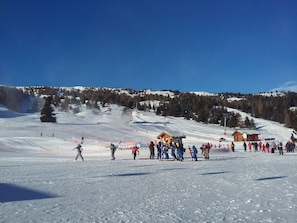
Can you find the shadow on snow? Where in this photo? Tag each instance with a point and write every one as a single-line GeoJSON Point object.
{"type": "Point", "coordinates": [10, 114]}
{"type": "Point", "coordinates": [129, 174]}
{"type": "Point", "coordinates": [9, 193]}
{"type": "Point", "coordinates": [214, 173]}
{"type": "Point", "coordinates": [220, 158]}
{"type": "Point", "coordinates": [270, 178]}
{"type": "Point", "coordinates": [150, 123]}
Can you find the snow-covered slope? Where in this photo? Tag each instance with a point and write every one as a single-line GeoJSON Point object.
{"type": "Point", "coordinates": [112, 124]}
{"type": "Point", "coordinates": [40, 182]}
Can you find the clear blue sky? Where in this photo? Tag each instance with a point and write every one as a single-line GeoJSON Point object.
{"type": "Point", "coordinates": [245, 46]}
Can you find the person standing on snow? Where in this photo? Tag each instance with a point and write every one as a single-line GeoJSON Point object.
{"type": "Point", "coordinates": [280, 148]}
{"type": "Point", "coordinates": [195, 151]}
{"type": "Point", "coordinates": [173, 148]}
{"type": "Point", "coordinates": [165, 151]}
{"type": "Point", "coordinates": [244, 146]}
{"type": "Point", "coordinates": [180, 151]}
{"type": "Point", "coordinates": [152, 150]}
{"type": "Point", "coordinates": [273, 147]}
{"type": "Point", "coordinates": [191, 152]}
{"type": "Point", "coordinates": [250, 146]}
{"type": "Point", "coordinates": [267, 148]}
{"type": "Point", "coordinates": [159, 148]}
{"type": "Point", "coordinates": [112, 150]}
{"type": "Point", "coordinates": [135, 151]}
{"type": "Point", "coordinates": [79, 151]}
{"type": "Point", "coordinates": [232, 147]}
{"type": "Point", "coordinates": [206, 150]}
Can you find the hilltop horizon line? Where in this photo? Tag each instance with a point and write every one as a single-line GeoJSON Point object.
{"type": "Point", "coordinates": [283, 89]}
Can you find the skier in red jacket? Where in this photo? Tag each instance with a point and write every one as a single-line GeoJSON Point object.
{"type": "Point", "coordinates": [135, 151]}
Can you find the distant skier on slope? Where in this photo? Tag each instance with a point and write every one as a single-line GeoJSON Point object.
{"type": "Point", "coordinates": [152, 150]}
{"type": "Point", "coordinates": [135, 151]}
{"type": "Point", "coordinates": [159, 148]}
{"type": "Point", "coordinates": [280, 148]}
{"type": "Point", "coordinates": [173, 148]}
{"type": "Point", "coordinates": [112, 150]}
{"type": "Point", "coordinates": [205, 149]}
{"type": "Point", "coordinates": [180, 151]}
{"type": "Point", "coordinates": [194, 155]}
{"type": "Point", "coordinates": [232, 146]}
{"type": "Point", "coordinates": [79, 151]}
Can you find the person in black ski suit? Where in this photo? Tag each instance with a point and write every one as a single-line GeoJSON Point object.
{"type": "Point", "coordinates": [112, 150]}
{"type": "Point", "coordinates": [232, 147]}
{"type": "Point", "coordinates": [173, 148]}
{"type": "Point", "coordinates": [244, 146]}
{"type": "Point", "coordinates": [280, 148]}
{"type": "Point", "coordinates": [79, 150]}
{"type": "Point", "coordinates": [152, 150]}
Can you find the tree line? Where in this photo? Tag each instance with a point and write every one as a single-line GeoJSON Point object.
{"type": "Point", "coordinates": [210, 109]}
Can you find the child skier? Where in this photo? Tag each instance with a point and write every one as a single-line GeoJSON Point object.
{"type": "Point", "coordinates": [135, 151]}
{"type": "Point", "coordinates": [191, 152]}
{"type": "Point", "coordinates": [194, 155]}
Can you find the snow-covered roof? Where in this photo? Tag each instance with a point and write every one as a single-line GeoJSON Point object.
{"type": "Point", "coordinates": [247, 131]}
{"type": "Point", "coordinates": [173, 134]}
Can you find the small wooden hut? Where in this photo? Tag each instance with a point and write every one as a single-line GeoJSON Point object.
{"type": "Point", "coordinates": [171, 136]}
{"type": "Point", "coordinates": [245, 135]}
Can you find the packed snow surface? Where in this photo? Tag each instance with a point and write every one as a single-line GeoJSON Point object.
{"type": "Point", "coordinates": [41, 182]}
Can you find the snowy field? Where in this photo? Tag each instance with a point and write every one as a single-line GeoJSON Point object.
{"type": "Point", "coordinates": [41, 182]}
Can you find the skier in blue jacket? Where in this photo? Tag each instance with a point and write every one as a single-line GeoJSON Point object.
{"type": "Point", "coordinates": [165, 151]}
{"type": "Point", "coordinates": [194, 155]}
{"type": "Point", "coordinates": [180, 152]}
{"type": "Point", "coordinates": [173, 147]}
{"type": "Point", "coordinates": [159, 148]}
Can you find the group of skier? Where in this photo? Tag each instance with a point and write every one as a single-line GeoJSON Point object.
{"type": "Point", "coordinates": [177, 151]}
{"type": "Point", "coordinates": [79, 149]}
{"type": "Point", "coordinates": [135, 151]}
{"type": "Point", "coordinates": [268, 147]}
{"type": "Point", "coordinates": [163, 148]}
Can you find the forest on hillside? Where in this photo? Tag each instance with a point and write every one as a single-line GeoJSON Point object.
{"type": "Point", "coordinates": [210, 109]}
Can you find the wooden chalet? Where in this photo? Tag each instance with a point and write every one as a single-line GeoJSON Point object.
{"type": "Point", "coordinates": [245, 135]}
{"type": "Point", "coordinates": [171, 136]}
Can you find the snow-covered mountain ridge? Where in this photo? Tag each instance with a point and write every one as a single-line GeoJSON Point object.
{"type": "Point", "coordinates": [200, 106]}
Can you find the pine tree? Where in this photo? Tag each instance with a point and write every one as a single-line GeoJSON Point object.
{"type": "Point", "coordinates": [252, 124]}
{"type": "Point", "coordinates": [46, 112]}
{"type": "Point", "coordinates": [234, 120]}
{"type": "Point", "coordinates": [247, 122]}
{"type": "Point", "coordinates": [287, 119]}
